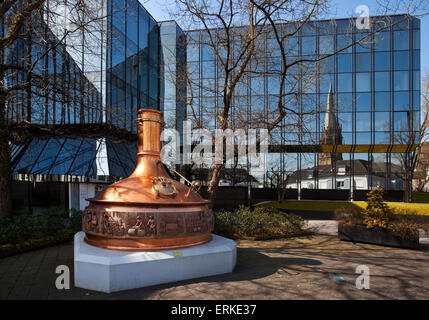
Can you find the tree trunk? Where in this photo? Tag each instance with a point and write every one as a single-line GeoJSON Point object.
{"type": "Point", "coordinates": [214, 183]}
{"type": "Point", "coordinates": [283, 194]}
{"type": "Point", "coordinates": [408, 179]}
{"type": "Point", "coordinates": [406, 195]}
{"type": "Point", "coordinates": [5, 165]}
{"type": "Point", "coordinates": [407, 188]}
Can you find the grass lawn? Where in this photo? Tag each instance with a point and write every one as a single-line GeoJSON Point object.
{"type": "Point", "coordinates": [420, 208]}
{"type": "Point", "coordinates": [308, 205]}
{"type": "Point", "coordinates": [420, 197]}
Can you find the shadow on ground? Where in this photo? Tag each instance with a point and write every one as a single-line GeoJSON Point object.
{"type": "Point", "coordinates": [295, 268]}
{"type": "Point", "coordinates": [251, 265]}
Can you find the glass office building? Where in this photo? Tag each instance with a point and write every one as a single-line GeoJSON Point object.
{"type": "Point", "coordinates": [89, 89]}
{"type": "Point", "coordinates": [357, 112]}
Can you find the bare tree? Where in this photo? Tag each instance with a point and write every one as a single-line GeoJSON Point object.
{"type": "Point", "coordinates": [233, 31]}
{"type": "Point", "coordinates": [279, 178]}
{"type": "Point", "coordinates": [234, 46]}
{"type": "Point", "coordinates": [409, 136]}
{"type": "Point", "coordinates": [237, 174]}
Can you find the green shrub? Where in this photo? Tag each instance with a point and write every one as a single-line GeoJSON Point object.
{"type": "Point", "coordinates": [75, 219]}
{"type": "Point", "coordinates": [55, 219]}
{"type": "Point", "coordinates": [377, 213]}
{"type": "Point", "coordinates": [23, 227]}
{"type": "Point", "coordinates": [4, 222]}
{"type": "Point", "coordinates": [259, 223]}
{"type": "Point", "coordinates": [27, 232]}
{"type": "Point", "coordinates": [405, 223]}
{"type": "Point", "coordinates": [26, 226]}
{"type": "Point", "coordinates": [225, 223]}
{"type": "Point", "coordinates": [35, 243]}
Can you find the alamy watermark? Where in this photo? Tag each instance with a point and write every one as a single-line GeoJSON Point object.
{"type": "Point", "coordinates": [62, 282]}
{"type": "Point", "coordinates": [238, 144]}
{"type": "Point", "coordinates": [362, 281]}
{"type": "Point", "coordinates": [363, 21]}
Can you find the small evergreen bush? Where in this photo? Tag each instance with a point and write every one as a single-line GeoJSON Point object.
{"type": "Point", "coordinates": [377, 213]}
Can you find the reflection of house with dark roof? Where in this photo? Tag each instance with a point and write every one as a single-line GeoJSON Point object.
{"type": "Point", "coordinates": [331, 134]}
{"type": "Point", "coordinates": [421, 172]}
{"type": "Point", "coordinates": [230, 176]}
{"type": "Point", "coordinates": [333, 172]}
{"type": "Point", "coordinates": [366, 176]}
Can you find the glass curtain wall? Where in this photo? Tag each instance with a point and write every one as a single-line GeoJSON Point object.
{"type": "Point", "coordinates": [132, 62]}
{"type": "Point", "coordinates": [98, 76]}
{"type": "Point", "coordinates": [57, 92]}
{"type": "Point", "coordinates": [373, 90]}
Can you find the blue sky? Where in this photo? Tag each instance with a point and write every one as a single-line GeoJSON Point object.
{"type": "Point", "coordinates": [340, 9]}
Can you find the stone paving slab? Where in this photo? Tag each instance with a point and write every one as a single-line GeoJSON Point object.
{"type": "Point", "coordinates": [324, 227]}
{"type": "Point", "coordinates": [296, 268]}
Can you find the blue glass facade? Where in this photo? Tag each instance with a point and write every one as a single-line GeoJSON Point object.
{"type": "Point", "coordinates": [89, 88]}
{"type": "Point", "coordinates": [132, 63]}
{"type": "Point", "coordinates": [57, 91]}
{"type": "Point", "coordinates": [375, 87]}
{"type": "Point", "coordinates": [173, 80]}
{"type": "Point", "coordinates": [69, 93]}
{"type": "Point", "coordinates": [94, 79]}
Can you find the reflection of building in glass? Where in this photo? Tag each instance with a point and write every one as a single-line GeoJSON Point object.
{"type": "Point", "coordinates": [349, 108]}
{"type": "Point", "coordinates": [57, 92]}
{"type": "Point", "coordinates": [232, 177]}
{"type": "Point", "coordinates": [366, 175]}
{"type": "Point", "coordinates": [372, 90]}
{"type": "Point", "coordinates": [421, 172]}
{"type": "Point", "coordinates": [132, 58]}
{"type": "Point", "coordinates": [173, 81]}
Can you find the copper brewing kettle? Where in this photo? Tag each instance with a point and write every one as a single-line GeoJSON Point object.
{"type": "Point", "coordinates": [148, 210]}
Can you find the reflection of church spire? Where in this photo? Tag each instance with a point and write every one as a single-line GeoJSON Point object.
{"type": "Point", "coordinates": [330, 119]}
{"type": "Point", "coordinates": [331, 134]}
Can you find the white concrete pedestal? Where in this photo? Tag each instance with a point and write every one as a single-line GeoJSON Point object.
{"type": "Point", "coordinates": [110, 270]}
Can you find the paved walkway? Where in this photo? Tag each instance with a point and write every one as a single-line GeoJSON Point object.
{"type": "Point", "coordinates": [316, 267]}
{"type": "Point", "coordinates": [325, 227]}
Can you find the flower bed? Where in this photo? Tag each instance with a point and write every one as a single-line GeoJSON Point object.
{"type": "Point", "coordinates": [62, 236]}
{"type": "Point", "coordinates": [385, 237]}
{"type": "Point", "coordinates": [380, 224]}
